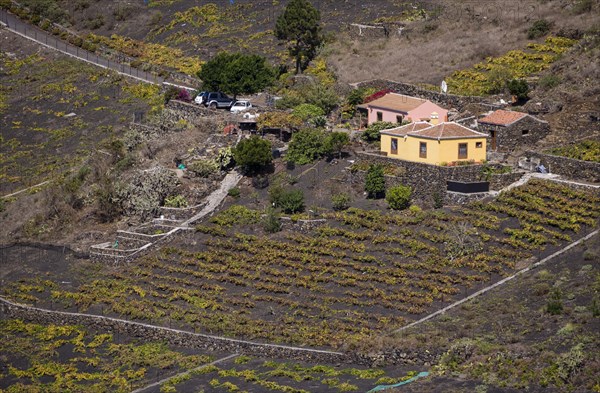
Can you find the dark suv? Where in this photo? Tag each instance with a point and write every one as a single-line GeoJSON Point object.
{"type": "Point", "coordinates": [214, 100]}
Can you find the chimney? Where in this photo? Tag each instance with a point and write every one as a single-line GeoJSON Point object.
{"type": "Point", "coordinates": [434, 119]}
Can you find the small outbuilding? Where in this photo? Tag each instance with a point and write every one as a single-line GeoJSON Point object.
{"type": "Point", "coordinates": [509, 130]}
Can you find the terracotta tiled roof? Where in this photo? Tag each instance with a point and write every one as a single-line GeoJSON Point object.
{"type": "Point", "coordinates": [407, 128]}
{"type": "Point", "coordinates": [449, 130]}
{"type": "Point", "coordinates": [502, 117]}
{"type": "Point", "coordinates": [397, 102]}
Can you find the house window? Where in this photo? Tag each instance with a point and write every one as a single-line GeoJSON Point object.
{"type": "Point", "coordinates": [399, 119]}
{"type": "Point", "coordinates": [525, 132]}
{"type": "Point", "coordinates": [462, 150]}
{"type": "Point", "coordinates": [379, 116]}
{"type": "Point", "coordinates": [394, 146]}
{"type": "Point", "coordinates": [478, 145]}
{"type": "Point", "coordinates": [423, 149]}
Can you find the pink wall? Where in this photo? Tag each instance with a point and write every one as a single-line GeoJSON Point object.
{"type": "Point", "coordinates": [424, 112]}
{"type": "Point", "coordinates": [421, 112]}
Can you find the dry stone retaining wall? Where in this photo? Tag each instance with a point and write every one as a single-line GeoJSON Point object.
{"type": "Point", "coordinates": [568, 167]}
{"type": "Point", "coordinates": [172, 336]}
{"type": "Point", "coordinates": [426, 180]}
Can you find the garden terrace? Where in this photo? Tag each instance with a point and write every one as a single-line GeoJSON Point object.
{"type": "Point", "coordinates": [363, 273]}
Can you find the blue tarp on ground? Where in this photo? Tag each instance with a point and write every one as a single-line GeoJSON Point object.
{"type": "Point", "coordinates": [385, 387]}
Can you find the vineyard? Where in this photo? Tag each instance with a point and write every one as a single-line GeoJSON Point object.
{"type": "Point", "coordinates": [361, 274]}
{"type": "Point", "coordinates": [51, 358]}
{"type": "Point", "coordinates": [489, 77]}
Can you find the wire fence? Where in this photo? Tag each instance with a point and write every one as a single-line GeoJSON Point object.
{"type": "Point", "coordinates": [42, 37]}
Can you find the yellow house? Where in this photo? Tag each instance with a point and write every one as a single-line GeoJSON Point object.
{"type": "Point", "coordinates": [443, 143]}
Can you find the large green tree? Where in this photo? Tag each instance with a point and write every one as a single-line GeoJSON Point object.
{"type": "Point", "coordinates": [236, 73]}
{"type": "Point", "coordinates": [299, 25]}
{"type": "Point", "coordinates": [253, 154]}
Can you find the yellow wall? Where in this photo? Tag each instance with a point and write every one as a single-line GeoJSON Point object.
{"type": "Point", "coordinates": [437, 152]}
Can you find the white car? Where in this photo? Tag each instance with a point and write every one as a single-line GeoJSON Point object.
{"type": "Point", "coordinates": [240, 106]}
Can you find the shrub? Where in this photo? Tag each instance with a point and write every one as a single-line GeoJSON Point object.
{"type": "Point", "coordinates": [176, 201]}
{"type": "Point", "coordinates": [356, 96]}
{"type": "Point", "coordinates": [376, 95]}
{"type": "Point", "coordinates": [555, 305]}
{"type": "Point", "coordinates": [306, 146]}
{"type": "Point", "coordinates": [335, 142]}
{"type": "Point", "coordinates": [184, 95]}
{"type": "Point", "coordinates": [271, 223]}
{"type": "Point", "coordinates": [307, 112]}
{"type": "Point", "coordinates": [375, 181]}
{"type": "Point", "coordinates": [438, 201]}
{"type": "Point", "coordinates": [234, 192]}
{"type": "Point", "coordinates": [549, 81]}
{"type": "Point", "coordinates": [372, 133]}
{"type": "Point", "coordinates": [260, 181]}
{"type": "Point", "coordinates": [539, 28]}
{"type": "Point", "coordinates": [519, 88]}
{"type": "Point", "coordinates": [253, 154]}
{"type": "Point", "coordinates": [292, 201]}
{"type": "Point", "coordinates": [275, 193]}
{"type": "Point", "coordinates": [204, 168]}
{"type": "Point", "coordinates": [398, 197]}
{"type": "Point", "coordinates": [341, 201]}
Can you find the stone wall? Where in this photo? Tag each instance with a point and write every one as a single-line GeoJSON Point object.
{"type": "Point", "coordinates": [361, 31]}
{"type": "Point", "coordinates": [568, 167]}
{"type": "Point", "coordinates": [500, 180]}
{"type": "Point", "coordinates": [426, 180]}
{"type": "Point", "coordinates": [445, 100]}
{"type": "Point", "coordinates": [459, 198]}
{"type": "Point", "coordinates": [190, 112]}
{"type": "Point", "coordinates": [172, 336]}
{"type": "Point", "coordinates": [510, 138]}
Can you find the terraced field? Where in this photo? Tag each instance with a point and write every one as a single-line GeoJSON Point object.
{"type": "Point", "coordinates": [362, 274]}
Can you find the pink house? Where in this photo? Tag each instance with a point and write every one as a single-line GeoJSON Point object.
{"type": "Point", "coordinates": [396, 108]}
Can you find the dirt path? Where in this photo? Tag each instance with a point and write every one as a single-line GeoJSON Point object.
{"type": "Point", "coordinates": [25, 189]}
{"type": "Point", "coordinates": [503, 281]}
{"type": "Point", "coordinates": [156, 384]}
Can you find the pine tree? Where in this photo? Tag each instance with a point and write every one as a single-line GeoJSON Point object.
{"type": "Point", "coordinates": [299, 25]}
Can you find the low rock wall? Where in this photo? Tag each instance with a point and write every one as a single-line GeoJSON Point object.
{"type": "Point", "coordinates": [172, 336]}
{"type": "Point", "coordinates": [568, 167]}
{"type": "Point", "coordinates": [500, 180]}
{"type": "Point", "coordinates": [459, 198]}
{"type": "Point", "coordinates": [427, 181]}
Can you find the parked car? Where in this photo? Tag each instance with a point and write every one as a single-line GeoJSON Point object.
{"type": "Point", "coordinates": [240, 106]}
{"type": "Point", "coordinates": [213, 100]}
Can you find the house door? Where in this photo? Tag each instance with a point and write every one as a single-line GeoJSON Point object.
{"type": "Point", "coordinates": [493, 136]}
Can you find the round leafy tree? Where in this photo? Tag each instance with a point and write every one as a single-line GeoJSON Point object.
{"type": "Point", "coordinates": [236, 73]}
{"type": "Point", "coordinates": [398, 197]}
{"type": "Point", "coordinates": [253, 154]}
